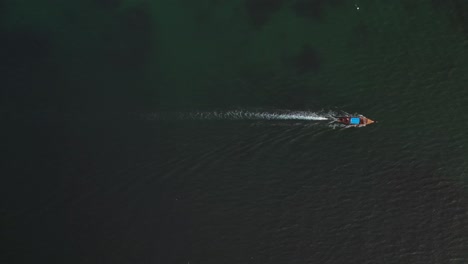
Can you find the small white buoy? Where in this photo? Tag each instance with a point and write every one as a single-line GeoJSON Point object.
{"type": "Point", "coordinates": [357, 7]}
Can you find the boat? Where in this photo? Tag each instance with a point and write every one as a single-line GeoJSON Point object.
{"type": "Point", "coordinates": [354, 121]}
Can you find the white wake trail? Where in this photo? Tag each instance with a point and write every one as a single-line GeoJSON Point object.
{"type": "Point", "coordinates": [243, 115]}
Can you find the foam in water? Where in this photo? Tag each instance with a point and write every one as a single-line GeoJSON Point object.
{"type": "Point", "coordinates": [243, 115]}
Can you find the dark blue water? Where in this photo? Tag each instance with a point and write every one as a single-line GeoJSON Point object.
{"type": "Point", "coordinates": [183, 132]}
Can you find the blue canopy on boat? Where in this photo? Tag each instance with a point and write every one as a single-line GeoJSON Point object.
{"type": "Point", "coordinates": [354, 121]}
